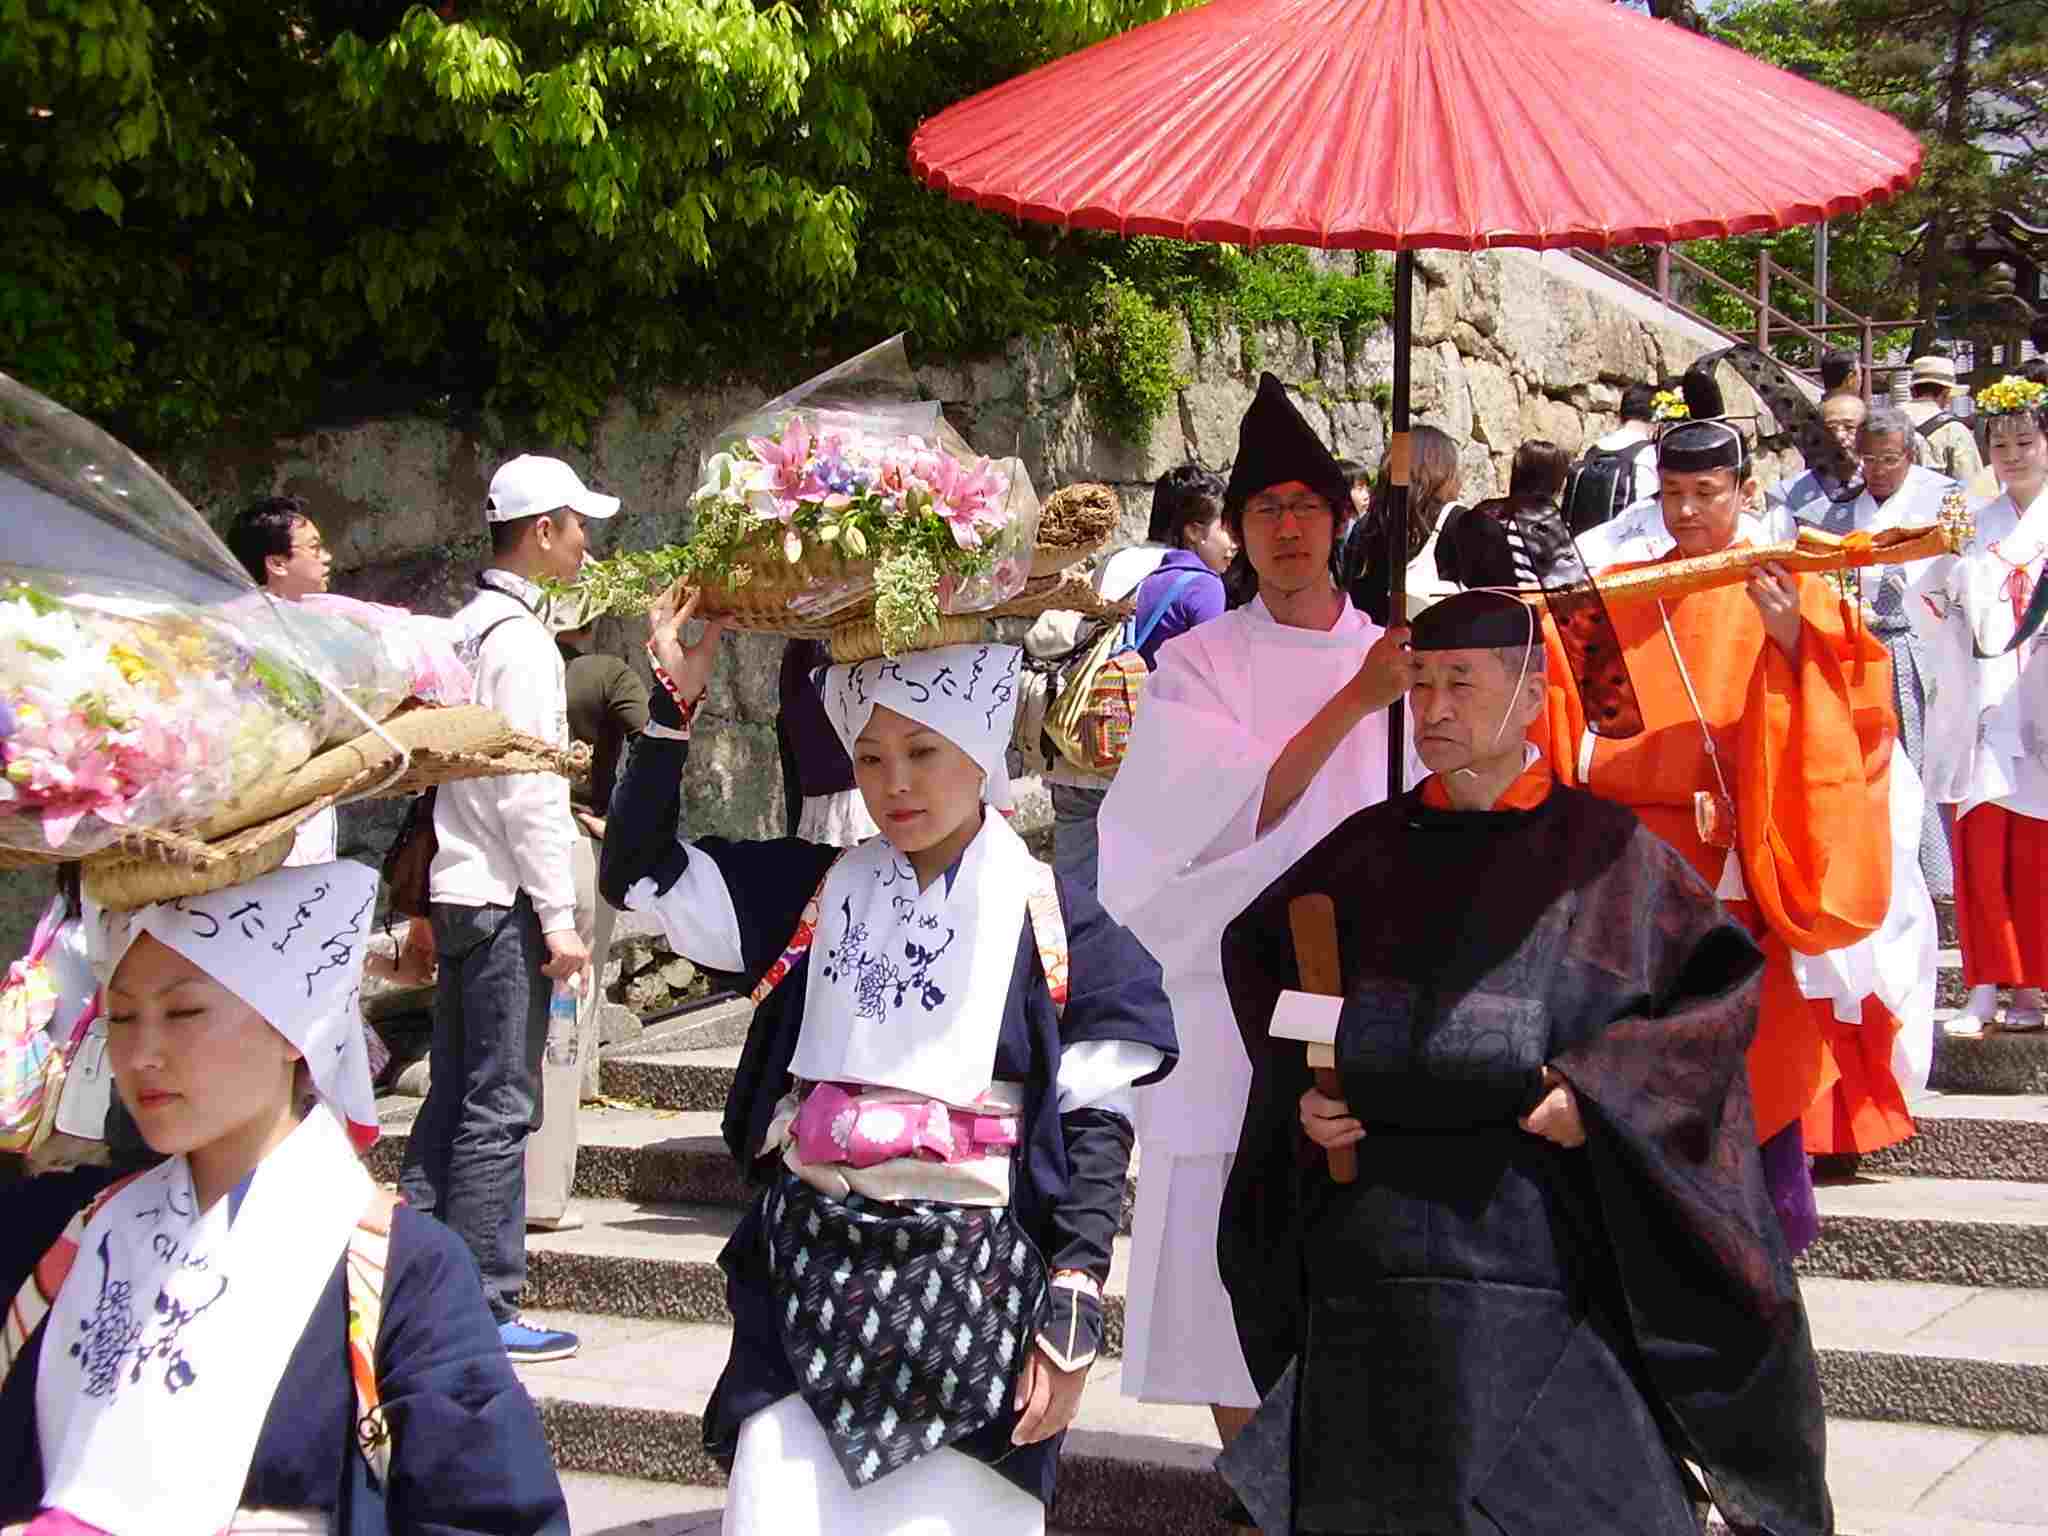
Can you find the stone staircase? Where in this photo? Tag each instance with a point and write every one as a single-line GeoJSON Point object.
{"type": "Point", "coordinates": [1928, 1293]}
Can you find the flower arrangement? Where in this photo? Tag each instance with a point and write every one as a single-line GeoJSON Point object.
{"type": "Point", "coordinates": [1669, 405]}
{"type": "Point", "coordinates": [123, 712]}
{"type": "Point", "coordinates": [2010, 395]}
{"type": "Point", "coordinates": [111, 721]}
{"type": "Point", "coordinates": [846, 491]}
{"type": "Point", "coordinates": [924, 529]}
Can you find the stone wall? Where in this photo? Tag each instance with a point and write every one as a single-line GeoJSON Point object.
{"type": "Point", "coordinates": [1508, 346]}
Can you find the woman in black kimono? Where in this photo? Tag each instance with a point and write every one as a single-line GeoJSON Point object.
{"type": "Point", "coordinates": [933, 1101]}
{"type": "Point", "coordinates": [248, 1337]}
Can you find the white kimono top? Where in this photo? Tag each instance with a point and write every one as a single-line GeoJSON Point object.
{"type": "Point", "coordinates": [1181, 851]}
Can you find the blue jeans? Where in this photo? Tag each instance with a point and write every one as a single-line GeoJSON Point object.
{"type": "Point", "coordinates": [466, 1161]}
{"type": "Point", "coordinates": [1076, 844]}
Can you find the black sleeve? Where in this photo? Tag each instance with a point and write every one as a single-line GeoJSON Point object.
{"type": "Point", "coordinates": [1084, 1228]}
{"type": "Point", "coordinates": [1258, 1250]}
{"type": "Point", "coordinates": [33, 1215]}
{"type": "Point", "coordinates": [770, 881]}
{"type": "Point", "coordinates": [646, 810]}
{"type": "Point", "coordinates": [467, 1450]}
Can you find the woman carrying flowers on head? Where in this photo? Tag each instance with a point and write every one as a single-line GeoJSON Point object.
{"type": "Point", "coordinates": [248, 1337]}
{"type": "Point", "coordinates": [1980, 616]}
{"type": "Point", "coordinates": [933, 1104]}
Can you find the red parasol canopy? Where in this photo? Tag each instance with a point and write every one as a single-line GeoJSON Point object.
{"type": "Point", "coordinates": [1399, 124]}
{"type": "Point", "coordinates": [1396, 124]}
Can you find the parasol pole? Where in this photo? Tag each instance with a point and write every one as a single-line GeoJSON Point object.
{"type": "Point", "coordinates": [1397, 502]}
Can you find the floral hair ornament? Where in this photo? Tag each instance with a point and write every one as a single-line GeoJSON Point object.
{"type": "Point", "coordinates": [2012, 396]}
{"type": "Point", "coordinates": [1668, 405]}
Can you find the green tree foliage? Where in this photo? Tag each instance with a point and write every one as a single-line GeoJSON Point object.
{"type": "Point", "coordinates": [228, 213]}
{"type": "Point", "coordinates": [1971, 77]}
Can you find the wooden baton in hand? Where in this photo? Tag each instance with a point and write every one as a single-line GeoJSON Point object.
{"type": "Point", "coordinates": [1313, 920]}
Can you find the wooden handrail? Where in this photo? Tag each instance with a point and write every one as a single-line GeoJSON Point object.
{"type": "Point", "coordinates": [1768, 316]}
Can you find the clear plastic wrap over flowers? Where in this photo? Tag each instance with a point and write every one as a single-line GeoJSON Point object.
{"type": "Point", "coordinates": [145, 681]}
{"type": "Point", "coordinates": [844, 495]}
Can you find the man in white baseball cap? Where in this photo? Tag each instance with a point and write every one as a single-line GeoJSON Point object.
{"type": "Point", "coordinates": [1945, 441]}
{"type": "Point", "coordinates": [502, 899]}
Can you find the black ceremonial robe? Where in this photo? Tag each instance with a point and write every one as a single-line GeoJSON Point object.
{"type": "Point", "coordinates": [1496, 1334]}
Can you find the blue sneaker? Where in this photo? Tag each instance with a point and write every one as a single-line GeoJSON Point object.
{"type": "Point", "coordinates": [528, 1345]}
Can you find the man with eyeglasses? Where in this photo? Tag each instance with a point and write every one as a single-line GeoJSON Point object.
{"type": "Point", "coordinates": [1898, 493]}
{"type": "Point", "coordinates": [1259, 731]}
{"type": "Point", "coordinates": [1765, 760]}
{"type": "Point", "coordinates": [1806, 496]}
{"type": "Point", "coordinates": [283, 552]}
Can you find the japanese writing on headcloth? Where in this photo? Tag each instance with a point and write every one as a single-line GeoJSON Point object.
{"type": "Point", "coordinates": [966, 693]}
{"type": "Point", "coordinates": [290, 944]}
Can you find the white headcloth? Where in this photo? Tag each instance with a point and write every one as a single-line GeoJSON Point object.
{"type": "Point", "coordinates": [290, 944]}
{"type": "Point", "coordinates": [967, 693]}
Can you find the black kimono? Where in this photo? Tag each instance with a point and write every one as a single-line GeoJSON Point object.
{"type": "Point", "coordinates": [1068, 1172]}
{"type": "Point", "coordinates": [1496, 1334]}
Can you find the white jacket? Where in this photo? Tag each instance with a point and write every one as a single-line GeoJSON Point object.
{"type": "Point", "coordinates": [501, 835]}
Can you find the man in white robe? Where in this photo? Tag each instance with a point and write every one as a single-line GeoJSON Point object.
{"type": "Point", "coordinates": [1259, 732]}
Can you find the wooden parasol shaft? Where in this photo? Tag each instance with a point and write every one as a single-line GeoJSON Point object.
{"type": "Point", "coordinates": [1313, 922]}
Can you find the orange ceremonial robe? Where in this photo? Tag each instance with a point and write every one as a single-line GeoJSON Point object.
{"type": "Point", "coordinates": [1807, 756]}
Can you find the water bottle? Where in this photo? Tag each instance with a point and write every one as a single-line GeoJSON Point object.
{"type": "Point", "coordinates": [564, 1005]}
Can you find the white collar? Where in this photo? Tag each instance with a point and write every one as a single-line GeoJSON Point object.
{"type": "Point", "coordinates": [1647, 538]}
{"type": "Point", "coordinates": [510, 584]}
{"type": "Point", "coordinates": [907, 988]}
{"type": "Point", "coordinates": [180, 1325]}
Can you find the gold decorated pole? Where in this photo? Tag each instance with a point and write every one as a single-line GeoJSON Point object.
{"type": "Point", "coordinates": [1813, 551]}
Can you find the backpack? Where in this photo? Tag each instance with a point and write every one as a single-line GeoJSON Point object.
{"type": "Point", "coordinates": [1936, 422]}
{"type": "Point", "coordinates": [369, 1254]}
{"type": "Point", "coordinates": [1600, 485]}
{"type": "Point", "coordinates": [1090, 721]}
{"type": "Point", "coordinates": [408, 863]}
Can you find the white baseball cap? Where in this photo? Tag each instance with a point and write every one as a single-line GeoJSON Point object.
{"type": "Point", "coordinates": [530, 485]}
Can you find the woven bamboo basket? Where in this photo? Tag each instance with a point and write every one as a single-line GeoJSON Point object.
{"type": "Point", "coordinates": [252, 835]}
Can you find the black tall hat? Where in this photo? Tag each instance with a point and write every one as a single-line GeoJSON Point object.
{"type": "Point", "coordinates": [1702, 391]}
{"type": "Point", "coordinates": [1274, 445]}
{"type": "Point", "coordinates": [1475, 621]}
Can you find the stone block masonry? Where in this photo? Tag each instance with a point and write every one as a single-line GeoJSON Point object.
{"type": "Point", "coordinates": [1508, 346]}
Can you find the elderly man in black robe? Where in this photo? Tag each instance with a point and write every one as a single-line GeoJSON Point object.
{"type": "Point", "coordinates": [1557, 1277]}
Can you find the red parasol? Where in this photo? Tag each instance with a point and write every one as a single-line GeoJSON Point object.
{"type": "Point", "coordinates": [1400, 124]}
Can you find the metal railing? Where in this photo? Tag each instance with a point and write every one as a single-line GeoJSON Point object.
{"type": "Point", "coordinates": [1769, 320]}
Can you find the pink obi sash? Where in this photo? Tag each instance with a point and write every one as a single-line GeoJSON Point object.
{"type": "Point", "coordinates": [866, 1126]}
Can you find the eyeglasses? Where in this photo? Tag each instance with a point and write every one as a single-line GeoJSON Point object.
{"type": "Point", "coordinates": [1889, 460]}
{"type": "Point", "coordinates": [1303, 507]}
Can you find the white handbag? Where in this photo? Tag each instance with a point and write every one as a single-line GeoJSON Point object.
{"type": "Point", "coordinates": [88, 1090]}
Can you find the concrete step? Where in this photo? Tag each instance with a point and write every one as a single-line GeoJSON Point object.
{"type": "Point", "coordinates": [1929, 1352]}
{"type": "Point", "coordinates": [689, 1079]}
{"type": "Point", "coordinates": [1975, 1232]}
{"type": "Point", "coordinates": [627, 1152]}
{"type": "Point", "coordinates": [630, 1405]}
{"type": "Point", "coordinates": [656, 1261]}
{"type": "Point", "coordinates": [626, 1506]}
{"type": "Point", "coordinates": [1972, 1136]}
{"type": "Point", "coordinates": [624, 1152]}
{"type": "Point", "coordinates": [1932, 1354]}
{"type": "Point", "coordinates": [1995, 1063]}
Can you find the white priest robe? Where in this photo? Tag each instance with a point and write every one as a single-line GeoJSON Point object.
{"type": "Point", "coordinates": [1181, 857]}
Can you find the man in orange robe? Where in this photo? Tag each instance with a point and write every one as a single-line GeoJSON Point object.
{"type": "Point", "coordinates": [1793, 760]}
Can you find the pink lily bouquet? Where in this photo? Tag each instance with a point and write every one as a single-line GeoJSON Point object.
{"type": "Point", "coordinates": [845, 492]}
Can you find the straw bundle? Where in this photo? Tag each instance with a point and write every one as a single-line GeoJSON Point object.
{"type": "Point", "coordinates": [1078, 521]}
